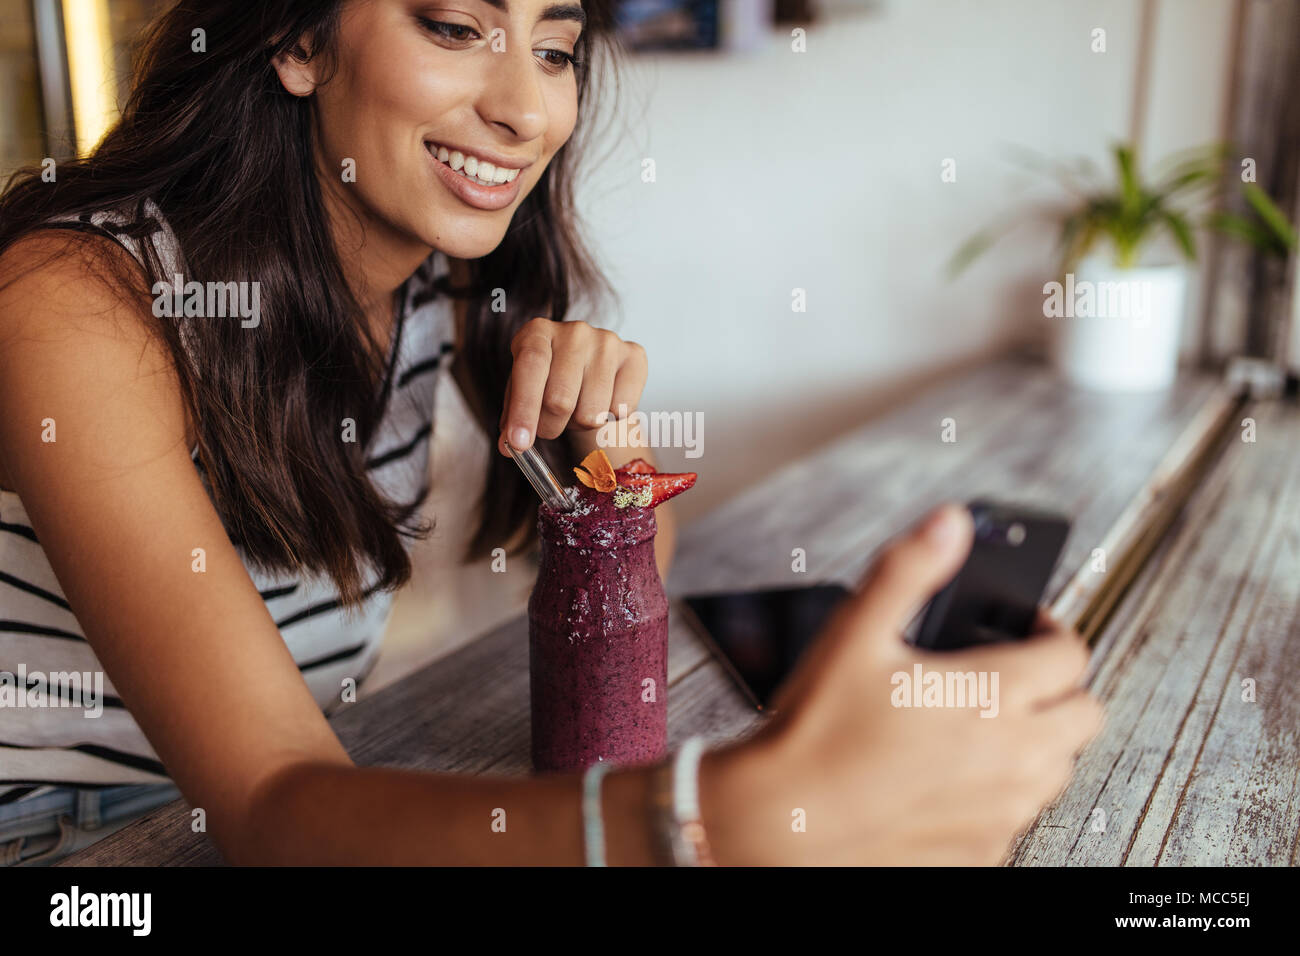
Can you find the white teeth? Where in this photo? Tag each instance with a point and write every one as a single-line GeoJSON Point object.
{"type": "Point", "coordinates": [472, 168]}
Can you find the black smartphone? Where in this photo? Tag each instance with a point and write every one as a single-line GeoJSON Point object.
{"type": "Point", "coordinates": [758, 636]}
{"type": "Point", "coordinates": [995, 595]}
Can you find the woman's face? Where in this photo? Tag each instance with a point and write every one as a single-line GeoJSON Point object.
{"type": "Point", "coordinates": [485, 85]}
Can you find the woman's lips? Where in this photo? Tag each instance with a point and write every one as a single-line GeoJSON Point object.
{"type": "Point", "coordinates": [490, 198]}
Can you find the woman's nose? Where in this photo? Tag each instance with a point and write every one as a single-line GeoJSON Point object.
{"type": "Point", "coordinates": [512, 92]}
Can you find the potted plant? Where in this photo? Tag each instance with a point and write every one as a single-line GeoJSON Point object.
{"type": "Point", "coordinates": [1118, 302]}
{"type": "Point", "coordinates": [1265, 228]}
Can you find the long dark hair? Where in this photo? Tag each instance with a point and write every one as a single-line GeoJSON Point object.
{"type": "Point", "coordinates": [227, 155]}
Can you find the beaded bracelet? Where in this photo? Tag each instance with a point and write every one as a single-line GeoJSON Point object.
{"type": "Point", "coordinates": [675, 806]}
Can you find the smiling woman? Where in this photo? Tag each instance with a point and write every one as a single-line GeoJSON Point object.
{"type": "Point", "coordinates": [308, 432]}
{"type": "Point", "coordinates": [329, 222]}
{"type": "Point", "coordinates": [211, 514]}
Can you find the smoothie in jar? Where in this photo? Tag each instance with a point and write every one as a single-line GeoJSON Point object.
{"type": "Point", "coordinates": [598, 624]}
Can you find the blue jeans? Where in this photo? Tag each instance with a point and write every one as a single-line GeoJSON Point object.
{"type": "Point", "coordinates": [44, 829]}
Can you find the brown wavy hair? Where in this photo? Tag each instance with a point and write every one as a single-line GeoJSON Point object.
{"type": "Point", "coordinates": [226, 154]}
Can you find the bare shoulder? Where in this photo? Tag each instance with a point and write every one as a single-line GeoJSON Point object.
{"type": "Point", "coordinates": [76, 335]}
{"type": "Point", "coordinates": [57, 283]}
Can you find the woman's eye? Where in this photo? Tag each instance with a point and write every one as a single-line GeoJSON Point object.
{"type": "Point", "coordinates": [557, 59]}
{"type": "Point", "coordinates": [456, 32]}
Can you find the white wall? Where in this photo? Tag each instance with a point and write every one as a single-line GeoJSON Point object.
{"type": "Point", "coordinates": [821, 170]}
{"type": "Point", "coordinates": [1188, 101]}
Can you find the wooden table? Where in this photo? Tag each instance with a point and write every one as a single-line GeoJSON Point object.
{"type": "Point", "coordinates": [1184, 771]}
{"type": "Point", "coordinates": [1200, 761]}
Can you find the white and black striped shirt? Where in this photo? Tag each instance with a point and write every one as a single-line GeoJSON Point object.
{"type": "Point", "coordinates": [44, 746]}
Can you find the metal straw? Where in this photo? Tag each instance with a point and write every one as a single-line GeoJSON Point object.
{"type": "Point", "coordinates": [534, 467]}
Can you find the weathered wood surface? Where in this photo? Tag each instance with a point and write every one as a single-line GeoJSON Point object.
{"type": "Point", "coordinates": [1188, 771]}
{"type": "Point", "coordinates": [1097, 585]}
{"type": "Point", "coordinates": [1020, 436]}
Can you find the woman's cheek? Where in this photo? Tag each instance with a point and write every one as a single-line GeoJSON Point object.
{"type": "Point", "coordinates": [563, 109]}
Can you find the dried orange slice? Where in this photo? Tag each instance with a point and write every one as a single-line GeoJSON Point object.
{"type": "Point", "coordinates": [597, 472]}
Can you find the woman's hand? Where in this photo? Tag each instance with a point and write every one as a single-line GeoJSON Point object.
{"type": "Point", "coordinates": [844, 775]}
{"type": "Point", "coordinates": [567, 375]}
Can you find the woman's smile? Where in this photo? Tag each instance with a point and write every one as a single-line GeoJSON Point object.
{"type": "Point", "coordinates": [475, 181]}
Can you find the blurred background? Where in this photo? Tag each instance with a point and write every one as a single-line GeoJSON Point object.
{"type": "Point", "coordinates": [823, 171]}
{"type": "Point", "coordinates": [66, 69]}
{"type": "Point", "coordinates": [785, 185]}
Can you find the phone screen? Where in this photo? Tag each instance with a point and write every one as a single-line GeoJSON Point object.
{"type": "Point", "coordinates": [758, 636]}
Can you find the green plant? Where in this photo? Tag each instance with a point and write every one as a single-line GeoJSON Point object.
{"type": "Point", "coordinates": [1267, 229]}
{"type": "Point", "coordinates": [1130, 211]}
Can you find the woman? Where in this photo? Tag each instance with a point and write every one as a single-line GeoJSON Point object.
{"type": "Point", "coordinates": [211, 503]}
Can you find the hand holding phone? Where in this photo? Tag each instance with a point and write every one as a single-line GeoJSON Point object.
{"type": "Point", "coordinates": [843, 736]}
{"type": "Point", "coordinates": [995, 595]}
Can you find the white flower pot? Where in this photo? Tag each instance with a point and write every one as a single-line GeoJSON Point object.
{"type": "Point", "coordinates": [1118, 330]}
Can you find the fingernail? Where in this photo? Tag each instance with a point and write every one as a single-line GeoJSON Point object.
{"type": "Point", "coordinates": [519, 438]}
{"type": "Point", "coordinates": [941, 529]}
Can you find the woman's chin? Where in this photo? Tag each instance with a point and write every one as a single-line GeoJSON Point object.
{"type": "Point", "coordinates": [469, 245]}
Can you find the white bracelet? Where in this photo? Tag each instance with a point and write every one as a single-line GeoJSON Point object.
{"type": "Point", "coordinates": [675, 802]}
{"type": "Point", "coordinates": [593, 823]}
{"type": "Point", "coordinates": [686, 780]}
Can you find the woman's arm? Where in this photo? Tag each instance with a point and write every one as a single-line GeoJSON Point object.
{"type": "Point", "coordinates": [196, 657]}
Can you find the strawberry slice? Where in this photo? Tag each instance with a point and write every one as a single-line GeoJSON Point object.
{"type": "Point", "coordinates": [637, 466]}
{"type": "Point", "coordinates": [662, 487]}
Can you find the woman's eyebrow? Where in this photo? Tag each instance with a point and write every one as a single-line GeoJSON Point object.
{"type": "Point", "coordinates": [556, 11]}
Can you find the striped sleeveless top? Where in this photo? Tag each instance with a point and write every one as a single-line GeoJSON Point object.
{"type": "Point", "coordinates": [42, 645]}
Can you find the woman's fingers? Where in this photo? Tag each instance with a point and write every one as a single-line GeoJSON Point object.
{"type": "Point", "coordinates": [563, 387]}
{"type": "Point", "coordinates": [501, 423]}
{"type": "Point", "coordinates": [1074, 720]}
{"type": "Point", "coordinates": [629, 383]}
{"type": "Point", "coordinates": [567, 375]}
{"type": "Point", "coordinates": [913, 567]}
{"type": "Point", "coordinates": [598, 382]}
{"type": "Point", "coordinates": [528, 377]}
{"type": "Point", "coordinates": [1044, 623]}
{"type": "Point", "coordinates": [906, 573]}
{"type": "Point", "coordinates": [1037, 671]}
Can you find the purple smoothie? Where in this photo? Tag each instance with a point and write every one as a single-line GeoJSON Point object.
{"type": "Point", "coordinates": [598, 635]}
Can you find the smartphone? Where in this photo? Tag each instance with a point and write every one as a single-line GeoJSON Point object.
{"type": "Point", "coordinates": [995, 595]}
{"type": "Point", "coordinates": [758, 636]}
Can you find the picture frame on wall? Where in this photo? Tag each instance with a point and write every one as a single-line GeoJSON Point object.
{"type": "Point", "coordinates": [728, 25]}
{"type": "Point", "coordinates": [670, 24]}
